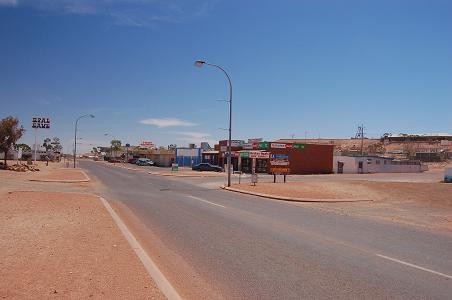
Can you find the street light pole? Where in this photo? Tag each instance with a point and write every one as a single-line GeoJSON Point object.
{"type": "Point", "coordinates": [75, 134]}
{"type": "Point", "coordinates": [200, 63]}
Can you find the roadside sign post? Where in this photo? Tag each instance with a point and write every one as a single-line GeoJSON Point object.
{"type": "Point", "coordinates": [39, 122]}
{"type": "Point", "coordinates": [279, 163]}
{"type": "Point", "coordinates": [127, 152]}
{"type": "Point", "coordinates": [253, 172]}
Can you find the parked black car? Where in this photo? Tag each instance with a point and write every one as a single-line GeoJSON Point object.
{"type": "Point", "coordinates": [207, 167]}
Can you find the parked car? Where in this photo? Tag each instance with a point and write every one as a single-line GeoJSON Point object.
{"type": "Point", "coordinates": [207, 167]}
{"type": "Point", "coordinates": [114, 160]}
{"type": "Point", "coordinates": [132, 160]}
{"type": "Point", "coordinates": [144, 162]}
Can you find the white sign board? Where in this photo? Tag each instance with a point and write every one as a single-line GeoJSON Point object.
{"type": "Point", "coordinates": [259, 154]}
{"type": "Point", "coordinates": [254, 178]}
{"type": "Point", "coordinates": [279, 163]}
{"type": "Point", "coordinates": [146, 144]}
{"type": "Point", "coordinates": [248, 146]}
{"type": "Point", "coordinates": [235, 143]}
{"type": "Point", "coordinates": [278, 146]}
{"type": "Point", "coordinates": [41, 122]}
{"type": "Point", "coordinates": [256, 140]}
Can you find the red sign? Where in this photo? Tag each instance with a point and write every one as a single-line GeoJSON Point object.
{"type": "Point", "coordinates": [146, 144]}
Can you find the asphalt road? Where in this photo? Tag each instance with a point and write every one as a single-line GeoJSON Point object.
{"type": "Point", "coordinates": [217, 244]}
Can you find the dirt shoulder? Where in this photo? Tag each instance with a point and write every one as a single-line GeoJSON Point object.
{"type": "Point", "coordinates": [422, 204]}
{"type": "Point", "coordinates": [66, 245]}
{"type": "Point", "coordinates": [62, 175]}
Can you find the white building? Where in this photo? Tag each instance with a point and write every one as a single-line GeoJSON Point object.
{"type": "Point", "coordinates": [374, 164]}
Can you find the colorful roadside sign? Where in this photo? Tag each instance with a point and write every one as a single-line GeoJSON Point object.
{"type": "Point", "coordinates": [244, 154]}
{"type": "Point", "coordinates": [259, 154]}
{"type": "Point", "coordinates": [263, 145]}
{"type": "Point", "coordinates": [277, 146]}
{"type": "Point", "coordinates": [147, 144]}
{"type": "Point", "coordinates": [279, 170]}
{"type": "Point", "coordinates": [280, 156]}
{"type": "Point", "coordinates": [40, 122]}
{"type": "Point", "coordinates": [279, 160]}
{"type": "Point", "coordinates": [298, 146]}
{"type": "Point", "coordinates": [248, 146]}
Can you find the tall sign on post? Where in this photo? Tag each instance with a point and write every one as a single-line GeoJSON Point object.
{"type": "Point", "coordinates": [39, 122]}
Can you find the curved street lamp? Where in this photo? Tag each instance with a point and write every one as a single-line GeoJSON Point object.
{"type": "Point", "coordinates": [75, 134]}
{"type": "Point", "coordinates": [200, 63]}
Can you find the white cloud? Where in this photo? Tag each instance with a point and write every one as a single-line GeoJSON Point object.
{"type": "Point", "coordinates": [125, 12]}
{"type": "Point", "coordinates": [196, 137]}
{"type": "Point", "coordinates": [8, 2]}
{"type": "Point", "coordinates": [167, 122]}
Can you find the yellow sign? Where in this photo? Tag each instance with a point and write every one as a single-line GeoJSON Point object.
{"type": "Point", "coordinates": [279, 170]}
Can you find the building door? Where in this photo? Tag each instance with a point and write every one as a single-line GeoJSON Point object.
{"type": "Point", "coordinates": [340, 167]}
{"type": "Point", "coordinates": [360, 167]}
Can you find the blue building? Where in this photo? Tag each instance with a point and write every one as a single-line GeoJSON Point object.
{"type": "Point", "coordinates": [188, 157]}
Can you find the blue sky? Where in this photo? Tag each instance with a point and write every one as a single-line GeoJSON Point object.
{"type": "Point", "coordinates": [317, 66]}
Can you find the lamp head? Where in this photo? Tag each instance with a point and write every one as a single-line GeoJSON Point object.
{"type": "Point", "coordinates": [199, 63]}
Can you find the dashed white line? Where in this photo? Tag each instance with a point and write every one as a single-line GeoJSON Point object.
{"type": "Point", "coordinates": [413, 266]}
{"type": "Point", "coordinates": [203, 200]}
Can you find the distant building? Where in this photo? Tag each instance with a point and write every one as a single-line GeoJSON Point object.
{"type": "Point", "coordinates": [374, 164]}
{"type": "Point", "coordinates": [421, 137]}
{"type": "Point", "coordinates": [277, 157]}
{"type": "Point", "coordinates": [188, 157]}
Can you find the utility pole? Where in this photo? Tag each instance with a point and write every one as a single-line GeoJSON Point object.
{"type": "Point", "coordinates": [360, 135]}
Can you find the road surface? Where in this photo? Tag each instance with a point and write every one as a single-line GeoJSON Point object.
{"type": "Point", "coordinates": [213, 244]}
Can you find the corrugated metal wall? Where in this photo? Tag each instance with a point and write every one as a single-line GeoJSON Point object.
{"type": "Point", "coordinates": [187, 157]}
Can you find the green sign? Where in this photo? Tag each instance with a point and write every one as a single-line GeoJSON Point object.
{"type": "Point", "coordinates": [244, 154]}
{"type": "Point", "coordinates": [263, 145]}
{"type": "Point", "coordinates": [298, 146]}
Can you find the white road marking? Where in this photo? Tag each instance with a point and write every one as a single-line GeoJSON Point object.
{"type": "Point", "coordinates": [164, 285]}
{"type": "Point", "coordinates": [203, 200]}
{"type": "Point", "coordinates": [413, 266]}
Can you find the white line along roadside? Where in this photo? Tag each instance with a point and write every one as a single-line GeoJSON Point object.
{"type": "Point", "coordinates": [164, 285]}
{"type": "Point", "coordinates": [413, 266]}
{"type": "Point", "coordinates": [203, 200]}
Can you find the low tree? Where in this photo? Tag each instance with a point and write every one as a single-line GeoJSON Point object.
{"type": "Point", "coordinates": [115, 145]}
{"type": "Point", "coordinates": [10, 133]}
{"type": "Point", "coordinates": [47, 144]}
{"type": "Point", "coordinates": [23, 146]}
{"type": "Point", "coordinates": [56, 145]}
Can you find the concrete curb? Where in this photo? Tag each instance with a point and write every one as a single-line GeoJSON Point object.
{"type": "Point", "coordinates": [291, 199]}
{"type": "Point", "coordinates": [64, 181]}
{"type": "Point", "coordinates": [181, 175]}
